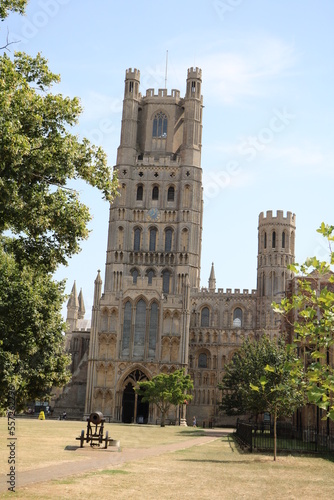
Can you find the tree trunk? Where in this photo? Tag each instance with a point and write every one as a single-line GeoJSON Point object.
{"type": "Point", "coordinates": [163, 415]}
{"type": "Point", "coordinates": [275, 435]}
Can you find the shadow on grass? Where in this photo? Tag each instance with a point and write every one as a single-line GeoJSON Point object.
{"type": "Point", "coordinates": [192, 432]}
{"type": "Point", "coordinates": [204, 432]}
{"type": "Point", "coordinates": [222, 461]}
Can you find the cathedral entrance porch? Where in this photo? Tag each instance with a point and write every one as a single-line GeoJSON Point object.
{"type": "Point", "coordinates": [134, 410]}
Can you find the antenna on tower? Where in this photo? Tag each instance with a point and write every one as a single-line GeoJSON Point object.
{"type": "Point", "coordinates": [166, 69]}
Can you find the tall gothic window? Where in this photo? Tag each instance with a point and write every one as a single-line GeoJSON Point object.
{"type": "Point", "coordinates": [126, 328]}
{"type": "Point", "coordinates": [273, 240]}
{"type": "Point", "coordinates": [140, 192]}
{"type": "Point", "coordinates": [205, 316]}
{"type": "Point", "coordinates": [283, 239]}
{"type": "Point", "coordinates": [150, 276]}
{"type": "Point", "coordinates": [237, 317]}
{"type": "Point", "coordinates": [165, 281]}
{"type": "Point", "coordinates": [160, 125]}
{"type": "Point", "coordinates": [153, 329]}
{"type": "Point", "coordinates": [140, 328]}
{"type": "Point", "coordinates": [168, 240]}
{"type": "Point", "coordinates": [265, 240]}
{"type": "Point", "coordinates": [171, 194]}
{"type": "Point", "coordinates": [153, 239]}
{"type": "Point", "coordinates": [134, 275]}
{"type": "Point", "coordinates": [136, 239]}
{"type": "Point", "coordinates": [202, 360]}
{"type": "Point", "coordinates": [155, 193]}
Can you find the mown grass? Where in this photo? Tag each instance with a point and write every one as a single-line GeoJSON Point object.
{"type": "Point", "coordinates": [217, 470]}
{"type": "Point", "coordinates": [40, 443]}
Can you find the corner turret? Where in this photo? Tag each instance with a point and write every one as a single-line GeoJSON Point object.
{"type": "Point", "coordinates": [127, 149]}
{"type": "Point", "coordinates": [276, 250]}
{"type": "Point", "coordinates": [192, 132]}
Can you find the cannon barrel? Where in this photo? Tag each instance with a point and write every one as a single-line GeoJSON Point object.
{"type": "Point", "coordinates": [96, 418]}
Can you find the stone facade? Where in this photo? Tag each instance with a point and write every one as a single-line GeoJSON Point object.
{"type": "Point", "coordinates": [151, 315]}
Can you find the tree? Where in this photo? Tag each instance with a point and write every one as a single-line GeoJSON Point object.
{"type": "Point", "coordinates": [165, 390]}
{"type": "Point", "coordinates": [38, 157]}
{"type": "Point", "coordinates": [7, 6]}
{"type": "Point", "coordinates": [32, 358]}
{"type": "Point", "coordinates": [258, 379]}
{"type": "Point", "coordinates": [309, 317]}
{"type": "Point", "coordinates": [246, 366]}
{"type": "Point", "coordinates": [42, 220]}
{"type": "Point", "coordinates": [280, 387]}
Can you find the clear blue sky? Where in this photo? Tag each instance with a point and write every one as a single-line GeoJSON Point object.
{"type": "Point", "coordinates": [268, 127]}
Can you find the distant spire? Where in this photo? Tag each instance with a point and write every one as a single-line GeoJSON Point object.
{"type": "Point", "coordinates": [73, 302]}
{"type": "Point", "coordinates": [98, 279]}
{"type": "Point", "coordinates": [212, 279]}
{"type": "Point", "coordinates": [97, 288]}
{"type": "Point", "coordinates": [72, 309]}
{"type": "Point", "coordinates": [82, 310]}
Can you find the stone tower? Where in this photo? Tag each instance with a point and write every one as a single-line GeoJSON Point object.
{"type": "Point", "coordinates": [140, 323]}
{"type": "Point", "coordinates": [276, 250]}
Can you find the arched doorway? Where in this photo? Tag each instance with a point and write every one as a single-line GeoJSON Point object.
{"type": "Point", "coordinates": [128, 404]}
{"type": "Point", "coordinates": [133, 408]}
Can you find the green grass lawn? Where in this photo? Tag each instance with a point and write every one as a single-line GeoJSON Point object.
{"type": "Point", "coordinates": [217, 470]}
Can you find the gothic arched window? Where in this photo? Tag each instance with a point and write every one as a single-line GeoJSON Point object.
{"type": "Point", "coordinates": [155, 193]}
{"type": "Point", "coordinates": [237, 317]}
{"type": "Point", "coordinates": [283, 239]}
{"type": "Point", "coordinates": [150, 276]}
{"type": "Point", "coordinates": [205, 316]}
{"type": "Point", "coordinates": [202, 360]}
{"type": "Point", "coordinates": [153, 329]}
{"type": "Point", "coordinates": [140, 192]}
{"type": "Point", "coordinates": [153, 239]}
{"type": "Point", "coordinates": [165, 281]}
{"type": "Point", "coordinates": [140, 328]}
{"type": "Point", "coordinates": [265, 240]}
{"type": "Point", "coordinates": [135, 275]}
{"type": "Point", "coordinates": [160, 125]}
{"type": "Point", "coordinates": [136, 239]}
{"type": "Point", "coordinates": [126, 328]}
{"type": "Point", "coordinates": [168, 240]}
{"type": "Point", "coordinates": [273, 240]}
{"type": "Point", "coordinates": [171, 194]}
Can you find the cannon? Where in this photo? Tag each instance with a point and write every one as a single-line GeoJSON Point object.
{"type": "Point", "coordinates": [94, 432]}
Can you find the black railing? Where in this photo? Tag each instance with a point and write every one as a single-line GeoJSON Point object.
{"type": "Point", "coordinates": [289, 438]}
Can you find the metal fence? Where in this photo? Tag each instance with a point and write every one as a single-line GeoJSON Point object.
{"type": "Point", "coordinates": [289, 438]}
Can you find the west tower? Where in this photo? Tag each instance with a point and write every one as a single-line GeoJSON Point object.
{"type": "Point", "coordinates": [140, 323]}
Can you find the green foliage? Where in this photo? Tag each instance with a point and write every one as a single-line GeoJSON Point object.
{"type": "Point", "coordinates": [38, 157]}
{"type": "Point", "coordinates": [31, 326]}
{"type": "Point", "coordinates": [257, 377]}
{"type": "Point", "coordinates": [42, 220]}
{"type": "Point", "coordinates": [309, 315]}
{"type": "Point", "coordinates": [279, 387]}
{"type": "Point", "coordinates": [7, 6]}
{"type": "Point", "coordinates": [165, 390]}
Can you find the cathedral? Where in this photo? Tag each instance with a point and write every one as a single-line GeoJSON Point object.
{"type": "Point", "coordinates": [150, 314]}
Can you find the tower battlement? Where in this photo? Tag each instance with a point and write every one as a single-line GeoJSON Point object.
{"type": "Point", "coordinates": [278, 217]}
{"type": "Point", "coordinates": [175, 94]}
{"type": "Point", "coordinates": [194, 73]}
{"type": "Point", "coordinates": [132, 74]}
